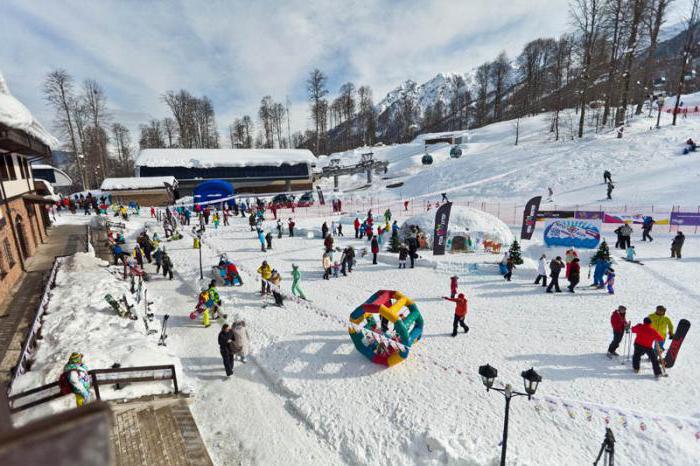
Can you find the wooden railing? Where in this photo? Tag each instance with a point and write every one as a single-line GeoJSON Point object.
{"type": "Point", "coordinates": [123, 375]}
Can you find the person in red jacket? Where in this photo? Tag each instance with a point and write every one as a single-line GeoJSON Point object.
{"type": "Point", "coordinates": [619, 324]}
{"type": "Point", "coordinates": [375, 250]}
{"type": "Point", "coordinates": [647, 337]}
{"type": "Point", "coordinates": [460, 313]}
{"type": "Point", "coordinates": [356, 224]}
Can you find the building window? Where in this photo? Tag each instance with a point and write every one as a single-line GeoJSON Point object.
{"type": "Point", "coordinates": [7, 250]}
{"type": "Point", "coordinates": [22, 173]}
{"type": "Point", "coordinates": [11, 168]}
{"type": "Point", "coordinates": [3, 167]}
{"type": "Point", "coordinates": [27, 169]}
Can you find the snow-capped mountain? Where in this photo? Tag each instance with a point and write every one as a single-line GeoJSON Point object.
{"type": "Point", "coordinates": [439, 88]}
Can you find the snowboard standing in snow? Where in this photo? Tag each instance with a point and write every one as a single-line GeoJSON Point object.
{"type": "Point", "coordinates": [632, 261]}
{"type": "Point", "coordinates": [678, 337]}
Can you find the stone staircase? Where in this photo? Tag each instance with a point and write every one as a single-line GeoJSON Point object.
{"type": "Point", "coordinates": [160, 432]}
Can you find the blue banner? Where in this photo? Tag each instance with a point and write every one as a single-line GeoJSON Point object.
{"type": "Point", "coordinates": [572, 233]}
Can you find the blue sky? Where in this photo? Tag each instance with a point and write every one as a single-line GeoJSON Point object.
{"type": "Point", "coordinates": [238, 51]}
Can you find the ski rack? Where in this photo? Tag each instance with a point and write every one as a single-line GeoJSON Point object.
{"type": "Point", "coordinates": [138, 374]}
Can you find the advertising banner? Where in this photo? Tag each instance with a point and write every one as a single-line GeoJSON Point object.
{"type": "Point", "coordinates": [442, 219]}
{"type": "Point", "coordinates": [572, 233]}
{"type": "Point", "coordinates": [530, 217]}
{"type": "Point", "coordinates": [688, 219]}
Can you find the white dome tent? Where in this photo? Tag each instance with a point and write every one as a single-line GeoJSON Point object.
{"type": "Point", "coordinates": [476, 224]}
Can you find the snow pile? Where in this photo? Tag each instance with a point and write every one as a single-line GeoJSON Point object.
{"type": "Point", "coordinates": [208, 158]}
{"type": "Point", "coordinates": [150, 182]}
{"type": "Point", "coordinates": [15, 115]}
{"type": "Point", "coordinates": [463, 221]}
{"type": "Point", "coordinates": [79, 319]}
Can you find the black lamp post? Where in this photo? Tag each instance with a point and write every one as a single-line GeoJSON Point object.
{"type": "Point", "coordinates": [531, 380]}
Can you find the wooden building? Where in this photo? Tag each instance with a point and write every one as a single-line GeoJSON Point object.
{"type": "Point", "coordinates": [151, 191]}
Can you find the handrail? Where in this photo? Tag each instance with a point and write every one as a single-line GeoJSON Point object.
{"type": "Point", "coordinates": [54, 390]}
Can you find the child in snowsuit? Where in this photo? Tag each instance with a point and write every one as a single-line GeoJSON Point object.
{"type": "Point", "coordinates": [265, 272]}
{"type": "Point", "coordinates": [630, 254]}
{"type": "Point", "coordinates": [460, 313]}
{"type": "Point", "coordinates": [542, 270]}
{"type": "Point", "coordinates": [232, 274]}
{"type": "Point", "coordinates": [296, 278]}
{"type": "Point", "coordinates": [510, 266]}
{"type": "Point", "coordinates": [203, 307]}
{"type": "Point", "coordinates": [619, 324]}
{"type": "Point", "coordinates": [453, 285]}
{"type": "Point", "coordinates": [610, 282]}
{"type": "Point", "coordinates": [403, 255]}
{"type": "Point", "coordinates": [239, 344]}
{"type": "Point", "coordinates": [76, 375]}
{"type": "Point", "coordinates": [261, 238]}
{"type": "Point", "coordinates": [336, 269]}
{"type": "Point", "coordinates": [326, 264]}
{"type": "Point", "coordinates": [275, 278]}
{"type": "Point", "coordinates": [167, 265]}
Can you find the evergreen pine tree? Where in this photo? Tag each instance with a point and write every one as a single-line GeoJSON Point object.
{"type": "Point", "coordinates": [515, 253]}
{"type": "Point", "coordinates": [602, 253]}
{"type": "Point", "coordinates": [394, 243]}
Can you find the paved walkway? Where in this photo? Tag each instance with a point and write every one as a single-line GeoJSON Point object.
{"type": "Point", "coordinates": [17, 312]}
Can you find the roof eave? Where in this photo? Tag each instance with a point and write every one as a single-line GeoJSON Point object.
{"type": "Point", "coordinates": [20, 142]}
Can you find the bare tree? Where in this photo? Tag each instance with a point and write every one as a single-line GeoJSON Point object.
{"type": "Point", "coordinates": [481, 79]}
{"type": "Point", "coordinates": [408, 112]}
{"type": "Point", "coordinates": [169, 131]}
{"type": "Point", "coordinates": [151, 136]}
{"type": "Point", "coordinates": [95, 101]}
{"type": "Point", "coordinates": [265, 116]}
{"type": "Point", "coordinates": [638, 7]}
{"type": "Point", "coordinates": [122, 145]}
{"type": "Point", "coordinates": [499, 74]}
{"type": "Point", "coordinates": [368, 116]}
{"type": "Point", "coordinates": [316, 91]}
{"type": "Point", "coordinates": [58, 92]}
{"type": "Point", "coordinates": [586, 15]}
{"type": "Point", "coordinates": [686, 54]}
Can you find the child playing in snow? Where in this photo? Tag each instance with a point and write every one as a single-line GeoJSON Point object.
{"type": "Point", "coordinates": [610, 282]}
{"type": "Point", "coordinates": [336, 269]}
{"type": "Point", "coordinates": [403, 255]}
{"type": "Point", "coordinates": [631, 253]}
{"type": "Point", "coordinates": [460, 313]}
{"type": "Point", "coordinates": [453, 286]}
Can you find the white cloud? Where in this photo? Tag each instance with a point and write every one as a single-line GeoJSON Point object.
{"type": "Point", "coordinates": [237, 52]}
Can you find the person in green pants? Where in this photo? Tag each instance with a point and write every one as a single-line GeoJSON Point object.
{"type": "Point", "coordinates": [296, 277]}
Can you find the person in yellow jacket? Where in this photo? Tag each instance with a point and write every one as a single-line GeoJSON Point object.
{"type": "Point", "coordinates": [662, 324]}
{"type": "Point", "coordinates": [265, 272]}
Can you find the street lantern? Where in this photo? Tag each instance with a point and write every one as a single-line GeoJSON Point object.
{"type": "Point", "coordinates": [660, 105]}
{"type": "Point", "coordinates": [488, 375]}
{"type": "Point", "coordinates": [531, 379]}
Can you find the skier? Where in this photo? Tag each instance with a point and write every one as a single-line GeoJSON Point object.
{"type": "Point", "coordinates": [356, 224]}
{"type": "Point", "coordinates": [275, 279]}
{"type": "Point", "coordinates": [542, 271]}
{"type": "Point", "coordinates": [677, 245]}
{"type": "Point", "coordinates": [403, 254]}
{"type": "Point", "coordinates": [75, 378]}
{"type": "Point", "coordinates": [619, 324]}
{"type": "Point", "coordinates": [460, 313]}
{"type": "Point", "coordinates": [453, 285]}
{"type": "Point", "coordinates": [610, 189]}
{"type": "Point", "coordinates": [268, 239]}
{"type": "Point", "coordinates": [167, 265]}
{"type": "Point", "coordinates": [296, 278]}
{"type": "Point", "coordinates": [375, 250]}
{"type": "Point", "coordinates": [239, 344]}
{"type": "Point", "coordinates": [647, 336]}
{"type": "Point", "coordinates": [647, 225]}
{"type": "Point", "coordinates": [510, 266]}
{"type": "Point", "coordinates": [290, 225]}
{"type": "Point", "coordinates": [662, 324]}
{"type": "Point", "coordinates": [574, 274]}
{"type": "Point", "coordinates": [265, 272]}
{"type": "Point", "coordinates": [610, 281]}
{"type": "Point", "coordinates": [225, 338]}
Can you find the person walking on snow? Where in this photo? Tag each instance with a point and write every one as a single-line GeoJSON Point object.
{"type": "Point", "coordinates": [167, 265]}
{"type": "Point", "coordinates": [625, 236]}
{"type": "Point", "coordinates": [460, 313]}
{"type": "Point", "coordinates": [610, 190]}
{"type": "Point", "coordinates": [644, 343]}
{"type": "Point", "coordinates": [268, 239]}
{"type": "Point", "coordinates": [239, 344]}
{"type": "Point", "coordinates": [403, 255]}
{"type": "Point", "coordinates": [265, 272]}
{"type": "Point", "coordinates": [225, 338]}
{"type": "Point", "coordinates": [326, 264]}
{"type": "Point", "coordinates": [510, 266]}
{"type": "Point", "coordinates": [340, 228]}
{"type": "Point", "coordinates": [571, 254]}
{"type": "Point", "coordinates": [647, 225]}
{"type": "Point", "coordinates": [328, 242]}
{"type": "Point", "coordinates": [296, 278]}
{"type": "Point", "coordinates": [347, 260]}
{"type": "Point", "coordinates": [677, 245]}
{"type": "Point", "coordinates": [662, 324]}
{"type": "Point", "coordinates": [76, 378]}
{"type": "Point", "coordinates": [324, 230]}
{"type": "Point", "coordinates": [279, 228]}
{"type": "Point", "coordinates": [453, 286]}
{"type": "Point", "coordinates": [620, 325]}
{"type": "Point", "coordinates": [542, 271]}
{"type": "Point", "coordinates": [356, 224]}
{"type": "Point", "coordinates": [290, 225]}
{"type": "Point", "coordinates": [375, 250]}
{"type": "Point", "coordinates": [261, 239]}
{"type": "Point", "coordinates": [574, 274]}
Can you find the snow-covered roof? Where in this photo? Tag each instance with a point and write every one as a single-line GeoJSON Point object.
{"type": "Point", "coordinates": [149, 182]}
{"type": "Point", "coordinates": [208, 158]}
{"type": "Point", "coordinates": [15, 115]}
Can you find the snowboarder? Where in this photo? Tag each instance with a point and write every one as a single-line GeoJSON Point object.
{"type": "Point", "coordinates": [542, 271]}
{"type": "Point", "coordinates": [290, 225]}
{"type": "Point", "coordinates": [453, 285]}
{"type": "Point", "coordinates": [167, 265]}
{"type": "Point", "coordinates": [610, 189]}
{"type": "Point", "coordinates": [460, 313]}
{"type": "Point", "coordinates": [225, 338]}
{"type": "Point", "coordinates": [647, 336]}
{"type": "Point", "coordinates": [296, 278]}
{"type": "Point", "coordinates": [403, 254]}
{"type": "Point", "coordinates": [677, 245]}
{"type": "Point", "coordinates": [76, 379]}
{"type": "Point", "coordinates": [662, 324]}
{"type": "Point", "coordinates": [239, 344]}
{"type": "Point", "coordinates": [375, 250]}
{"type": "Point", "coordinates": [574, 274]}
{"type": "Point", "coordinates": [647, 225]}
{"type": "Point", "coordinates": [620, 325]}
{"type": "Point", "coordinates": [265, 272]}
{"type": "Point", "coordinates": [610, 281]}
{"type": "Point", "coordinates": [444, 197]}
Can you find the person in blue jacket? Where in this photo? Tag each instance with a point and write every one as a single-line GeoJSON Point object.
{"type": "Point", "coordinates": [601, 266]}
{"type": "Point", "coordinates": [261, 238]}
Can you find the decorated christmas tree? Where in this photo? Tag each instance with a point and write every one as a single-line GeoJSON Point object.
{"type": "Point", "coordinates": [602, 253]}
{"type": "Point", "coordinates": [515, 253]}
{"type": "Point", "coordinates": [394, 243]}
